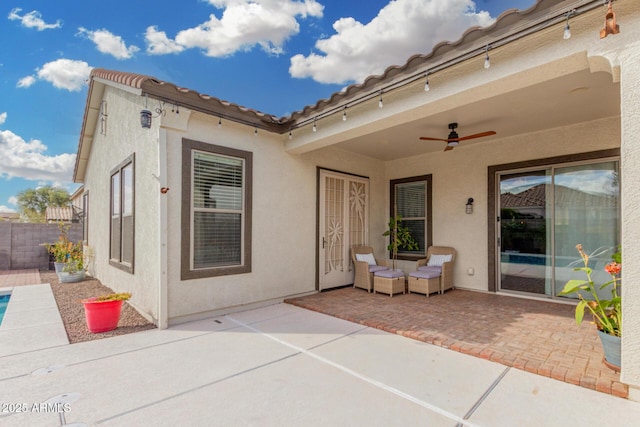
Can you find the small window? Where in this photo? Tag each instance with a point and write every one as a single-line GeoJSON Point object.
{"type": "Point", "coordinates": [216, 210]}
{"type": "Point", "coordinates": [411, 199]}
{"type": "Point", "coordinates": [122, 215]}
{"type": "Point", "coordinates": [85, 217]}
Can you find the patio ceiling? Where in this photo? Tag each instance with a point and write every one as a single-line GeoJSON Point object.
{"type": "Point", "coordinates": [573, 98]}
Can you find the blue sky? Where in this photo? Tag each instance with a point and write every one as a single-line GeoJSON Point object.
{"type": "Point", "coordinates": [276, 56]}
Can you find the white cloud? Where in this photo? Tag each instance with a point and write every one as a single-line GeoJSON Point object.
{"type": "Point", "coordinates": [3, 117]}
{"type": "Point", "coordinates": [28, 160]}
{"type": "Point", "coordinates": [32, 19]}
{"type": "Point", "coordinates": [109, 43]}
{"type": "Point", "coordinates": [5, 209]}
{"type": "Point", "coordinates": [159, 44]}
{"type": "Point", "coordinates": [65, 74]}
{"type": "Point", "coordinates": [13, 200]}
{"type": "Point", "coordinates": [243, 25]}
{"type": "Point", "coordinates": [401, 29]}
{"type": "Point", "coordinates": [26, 81]}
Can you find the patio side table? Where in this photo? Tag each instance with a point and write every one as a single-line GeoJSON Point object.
{"type": "Point", "coordinates": [389, 282]}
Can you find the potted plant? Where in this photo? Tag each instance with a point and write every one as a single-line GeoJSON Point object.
{"type": "Point", "coordinates": [607, 313]}
{"type": "Point", "coordinates": [67, 257]}
{"type": "Point", "coordinates": [102, 313]}
{"type": "Point", "coordinates": [399, 237]}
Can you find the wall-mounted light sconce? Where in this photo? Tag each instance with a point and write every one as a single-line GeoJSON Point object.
{"type": "Point", "coordinates": [469, 206]}
{"type": "Point", "coordinates": [146, 115]}
{"type": "Point", "coordinates": [145, 119]}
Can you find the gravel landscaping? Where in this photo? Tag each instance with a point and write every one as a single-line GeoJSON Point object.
{"type": "Point", "coordinates": [68, 296]}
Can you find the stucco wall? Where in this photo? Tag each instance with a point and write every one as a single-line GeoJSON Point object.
{"type": "Point", "coordinates": [462, 173]}
{"type": "Point", "coordinates": [124, 136]}
{"type": "Point", "coordinates": [283, 220]}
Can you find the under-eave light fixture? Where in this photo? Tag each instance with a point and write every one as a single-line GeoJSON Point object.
{"type": "Point", "coordinates": [315, 128]}
{"type": "Point", "coordinates": [567, 29]}
{"type": "Point", "coordinates": [344, 114]}
{"type": "Point", "coordinates": [380, 104]}
{"type": "Point", "coordinates": [487, 61]}
{"type": "Point", "coordinates": [426, 82]}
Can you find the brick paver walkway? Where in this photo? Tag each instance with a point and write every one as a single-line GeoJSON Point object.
{"type": "Point", "coordinates": [535, 336]}
{"type": "Point", "coordinates": [9, 278]}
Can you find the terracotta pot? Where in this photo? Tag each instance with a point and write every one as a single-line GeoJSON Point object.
{"type": "Point", "coordinates": [102, 316]}
{"type": "Point", "coordinates": [611, 346]}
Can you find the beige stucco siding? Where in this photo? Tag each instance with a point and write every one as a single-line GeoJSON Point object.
{"type": "Point", "coordinates": [124, 136]}
{"type": "Point", "coordinates": [283, 220]}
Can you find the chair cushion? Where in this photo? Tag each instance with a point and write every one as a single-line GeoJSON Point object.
{"type": "Point", "coordinates": [425, 274]}
{"type": "Point", "coordinates": [438, 260]}
{"type": "Point", "coordinates": [369, 258]}
{"type": "Point", "coordinates": [389, 273]}
{"type": "Point", "coordinates": [374, 268]}
{"type": "Point", "coordinates": [430, 268]}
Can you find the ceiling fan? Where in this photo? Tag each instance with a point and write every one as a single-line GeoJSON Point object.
{"type": "Point", "coordinates": [453, 139]}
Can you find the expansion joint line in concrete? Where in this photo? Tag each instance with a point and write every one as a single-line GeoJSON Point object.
{"type": "Point", "coordinates": [374, 382]}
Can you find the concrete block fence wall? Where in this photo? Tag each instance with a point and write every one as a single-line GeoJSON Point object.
{"type": "Point", "coordinates": [21, 244]}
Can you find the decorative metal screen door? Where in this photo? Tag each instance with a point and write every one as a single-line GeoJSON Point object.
{"type": "Point", "coordinates": [344, 222]}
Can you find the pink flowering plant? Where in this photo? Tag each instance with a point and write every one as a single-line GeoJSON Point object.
{"type": "Point", "coordinates": [607, 313]}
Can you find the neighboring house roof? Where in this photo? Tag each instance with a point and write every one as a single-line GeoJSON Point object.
{"type": "Point", "coordinates": [564, 196]}
{"type": "Point", "coordinates": [9, 216]}
{"type": "Point", "coordinates": [55, 214]}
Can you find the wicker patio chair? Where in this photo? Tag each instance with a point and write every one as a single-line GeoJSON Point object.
{"type": "Point", "coordinates": [446, 268]}
{"type": "Point", "coordinates": [363, 269]}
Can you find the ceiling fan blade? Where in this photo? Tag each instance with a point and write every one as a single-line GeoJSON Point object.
{"type": "Point", "coordinates": [426, 138]}
{"type": "Point", "coordinates": [477, 135]}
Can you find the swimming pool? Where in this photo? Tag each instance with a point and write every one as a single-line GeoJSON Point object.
{"type": "Point", "coordinates": [4, 301]}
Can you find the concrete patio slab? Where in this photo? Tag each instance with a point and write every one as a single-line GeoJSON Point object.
{"type": "Point", "coordinates": [297, 391]}
{"type": "Point", "coordinates": [32, 321]}
{"type": "Point", "coordinates": [449, 380]}
{"type": "Point", "coordinates": [524, 399]}
{"type": "Point", "coordinates": [299, 327]}
{"type": "Point", "coordinates": [276, 371]}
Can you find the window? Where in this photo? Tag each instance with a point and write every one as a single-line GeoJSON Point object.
{"type": "Point", "coordinates": [411, 199]}
{"type": "Point", "coordinates": [216, 210]}
{"type": "Point", "coordinates": [122, 215]}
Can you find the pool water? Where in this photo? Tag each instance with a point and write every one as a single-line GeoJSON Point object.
{"type": "Point", "coordinates": [4, 301]}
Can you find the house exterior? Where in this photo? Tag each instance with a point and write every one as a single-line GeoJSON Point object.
{"type": "Point", "coordinates": [214, 207]}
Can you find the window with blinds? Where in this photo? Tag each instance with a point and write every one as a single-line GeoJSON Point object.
{"type": "Point", "coordinates": [218, 205]}
{"type": "Point", "coordinates": [217, 210]}
{"type": "Point", "coordinates": [412, 201]}
{"type": "Point", "coordinates": [122, 215]}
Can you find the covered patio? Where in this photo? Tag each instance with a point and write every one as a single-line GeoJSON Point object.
{"type": "Point", "coordinates": [532, 335]}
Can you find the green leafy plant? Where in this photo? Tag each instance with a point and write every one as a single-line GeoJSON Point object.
{"type": "Point", "coordinates": [399, 238]}
{"type": "Point", "coordinates": [607, 313]}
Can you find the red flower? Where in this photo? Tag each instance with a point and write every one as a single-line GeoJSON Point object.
{"type": "Point", "coordinates": [613, 268]}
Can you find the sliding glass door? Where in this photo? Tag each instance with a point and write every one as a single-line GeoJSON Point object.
{"type": "Point", "coordinates": [545, 213]}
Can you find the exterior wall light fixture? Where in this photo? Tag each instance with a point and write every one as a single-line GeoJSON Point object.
{"type": "Point", "coordinates": [469, 206]}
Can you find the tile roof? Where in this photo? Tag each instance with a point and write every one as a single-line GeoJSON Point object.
{"type": "Point", "coordinates": [475, 38]}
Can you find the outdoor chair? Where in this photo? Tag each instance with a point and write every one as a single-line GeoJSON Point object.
{"type": "Point", "coordinates": [365, 265]}
{"type": "Point", "coordinates": [439, 259]}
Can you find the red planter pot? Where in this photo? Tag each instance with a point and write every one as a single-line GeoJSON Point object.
{"type": "Point", "coordinates": [102, 316]}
